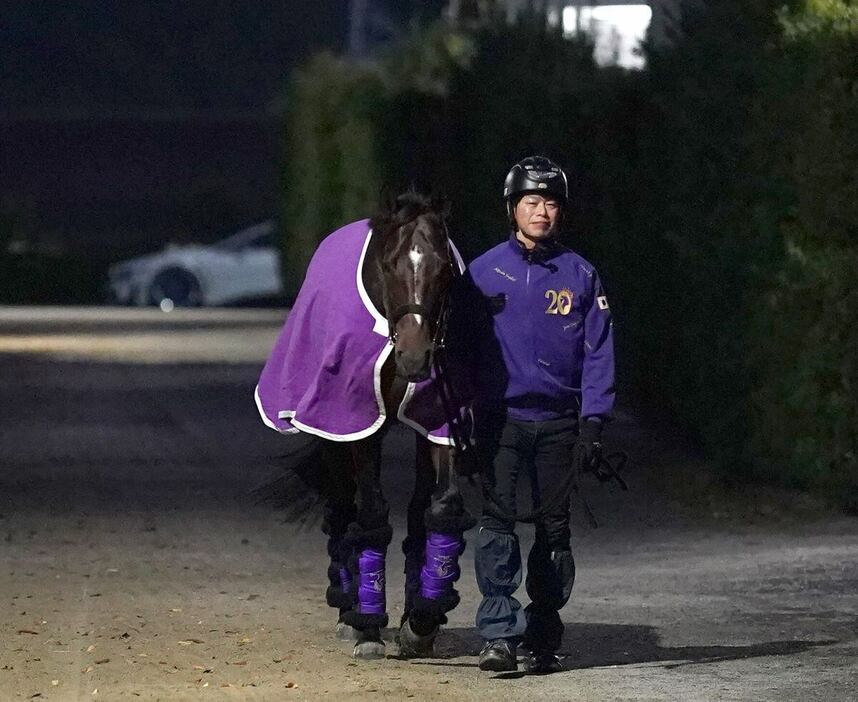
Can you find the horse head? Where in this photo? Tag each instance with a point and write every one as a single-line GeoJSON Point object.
{"type": "Point", "coordinates": [416, 269]}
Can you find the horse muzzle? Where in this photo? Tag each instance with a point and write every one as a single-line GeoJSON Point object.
{"type": "Point", "coordinates": [413, 365]}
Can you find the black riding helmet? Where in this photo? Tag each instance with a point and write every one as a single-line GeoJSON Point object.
{"type": "Point", "coordinates": [534, 174]}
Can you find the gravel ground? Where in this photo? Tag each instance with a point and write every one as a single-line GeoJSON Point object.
{"type": "Point", "coordinates": [135, 565]}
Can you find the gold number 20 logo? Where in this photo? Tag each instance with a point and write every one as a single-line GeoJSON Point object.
{"type": "Point", "coordinates": [559, 301]}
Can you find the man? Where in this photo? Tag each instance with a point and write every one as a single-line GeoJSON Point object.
{"type": "Point", "coordinates": [545, 389]}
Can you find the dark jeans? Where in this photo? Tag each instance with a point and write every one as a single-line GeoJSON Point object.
{"type": "Point", "coordinates": [542, 452]}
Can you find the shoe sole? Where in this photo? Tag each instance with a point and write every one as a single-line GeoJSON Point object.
{"type": "Point", "coordinates": [537, 670]}
{"type": "Point", "coordinates": [495, 666]}
{"type": "Point", "coordinates": [534, 668]}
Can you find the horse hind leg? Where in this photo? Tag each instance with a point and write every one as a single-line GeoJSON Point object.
{"type": "Point", "coordinates": [368, 538]}
{"type": "Point", "coordinates": [340, 511]}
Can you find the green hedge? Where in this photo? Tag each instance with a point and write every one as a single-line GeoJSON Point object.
{"type": "Point", "coordinates": [716, 191]}
{"type": "Point", "coordinates": [330, 174]}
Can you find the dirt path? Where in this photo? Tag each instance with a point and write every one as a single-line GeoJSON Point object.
{"type": "Point", "coordinates": [134, 566]}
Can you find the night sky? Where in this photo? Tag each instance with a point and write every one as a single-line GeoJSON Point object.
{"type": "Point", "coordinates": [203, 54]}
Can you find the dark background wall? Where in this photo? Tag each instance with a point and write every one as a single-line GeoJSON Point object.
{"type": "Point", "coordinates": [124, 125]}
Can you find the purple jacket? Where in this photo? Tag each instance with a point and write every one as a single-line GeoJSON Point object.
{"type": "Point", "coordinates": [323, 374]}
{"type": "Point", "coordinates": [553, 349]}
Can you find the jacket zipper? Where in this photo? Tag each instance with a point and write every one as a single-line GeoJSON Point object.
{"type": "Point", "coordinates": [530, 317]}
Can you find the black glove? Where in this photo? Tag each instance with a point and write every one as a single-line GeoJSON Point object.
{"type": "Point", "coordinates": [587, 451]}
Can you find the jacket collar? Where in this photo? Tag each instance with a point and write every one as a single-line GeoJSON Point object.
{"type": "Point", "coordinates": [542, 252]}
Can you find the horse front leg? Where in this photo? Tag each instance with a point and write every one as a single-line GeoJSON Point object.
{"type": "Point", "coordinates": [445, 521]}
{"type": "Point", "coordinates": [414, 545]}
{"type": "Point", "coordinates": [368, 538]}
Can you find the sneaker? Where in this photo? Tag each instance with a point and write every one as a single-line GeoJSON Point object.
{"type": "Point", "coordinates": [498, 656]}
{"type": "Point", "coordinates": [542, 663]}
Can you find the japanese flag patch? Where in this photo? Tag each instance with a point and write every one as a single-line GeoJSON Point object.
{"type": "Point", "coordinates": [602, 301]}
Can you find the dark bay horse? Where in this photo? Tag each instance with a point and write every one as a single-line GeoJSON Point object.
{"type": "Point", "coordinates": [411, 275]}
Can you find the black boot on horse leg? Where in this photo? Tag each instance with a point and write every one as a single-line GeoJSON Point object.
{"type": "Point", "coordinates": [368, 538]}
{"type": "Point", "coordinates": [446, 519]}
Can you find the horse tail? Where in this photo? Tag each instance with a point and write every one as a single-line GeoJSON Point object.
{"type": "Point", "coordinates": [309, 473]}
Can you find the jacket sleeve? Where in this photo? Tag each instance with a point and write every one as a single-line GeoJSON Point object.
{"type": "Point", "coordinates": [597, 377]}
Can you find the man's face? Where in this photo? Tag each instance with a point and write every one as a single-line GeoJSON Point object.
{"type": "Point", "coordinates": [536, 218]}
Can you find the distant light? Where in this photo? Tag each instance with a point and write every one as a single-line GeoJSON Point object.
{"type": "Point", "coordinates": [617, 31]}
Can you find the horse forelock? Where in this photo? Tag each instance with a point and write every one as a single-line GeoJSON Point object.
{"type": "Point", "coordinates": [407, 207]}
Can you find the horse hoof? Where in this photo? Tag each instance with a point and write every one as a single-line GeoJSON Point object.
{"type": "Point", "coordinates": [413, 645]}
{"type": "Point", "coordinates": [345, 632]}
{"type": "Point", "coordinates": [369, 650]}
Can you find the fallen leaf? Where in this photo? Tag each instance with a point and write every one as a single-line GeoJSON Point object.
{"type": "Point", "coordinates": [176, 609]}
{"type": "Point", "coordinates": [90, 648]}
{"type": "Point", "coordinates": [240, 663]}
{"type": "Point", "coordinates": [291, 684]}
{"type": "Point", "coordinates": [28, 631]}
{"type": "Point", "coordinates": [88, 669]}
{"type": "Point", "coordinates": [102, 661]}
{"type": "Point", "coordinates": [188, 642]}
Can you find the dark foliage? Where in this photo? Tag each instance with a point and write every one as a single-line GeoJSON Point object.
{"type": "Point", "coordinates": [716, 191]}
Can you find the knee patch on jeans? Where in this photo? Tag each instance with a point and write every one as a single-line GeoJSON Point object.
{"type": "Point", "coordinates": [550, 577]}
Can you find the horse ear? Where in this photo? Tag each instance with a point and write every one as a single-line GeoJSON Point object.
{"type": "Point", "coordinates": [442, 205]}
{"type": "Point", "coordinates": [387, 200]}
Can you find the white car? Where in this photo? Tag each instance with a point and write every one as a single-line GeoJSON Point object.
{"type": "Point", "coordinates": [241, 267]}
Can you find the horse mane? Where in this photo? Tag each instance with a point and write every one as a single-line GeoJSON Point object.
{"type": "Point", "coordinates": [397, 211]}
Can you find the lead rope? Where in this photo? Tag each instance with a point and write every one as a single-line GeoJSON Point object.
{"type": "Point", "coordinates": [604, 470]}
{"type": "Point", "coordinates": [608, 467]}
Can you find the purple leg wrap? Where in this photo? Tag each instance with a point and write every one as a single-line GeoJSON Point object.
{"type": "Point", "coordinates": [371, 595]}
{"type": "Point", "coordinates": [441, 567]}
{"type": "Point", "coordinates": [345, 579]}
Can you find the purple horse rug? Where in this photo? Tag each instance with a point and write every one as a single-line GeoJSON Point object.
{"type": "Point", "coordinates": [323, 376]}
